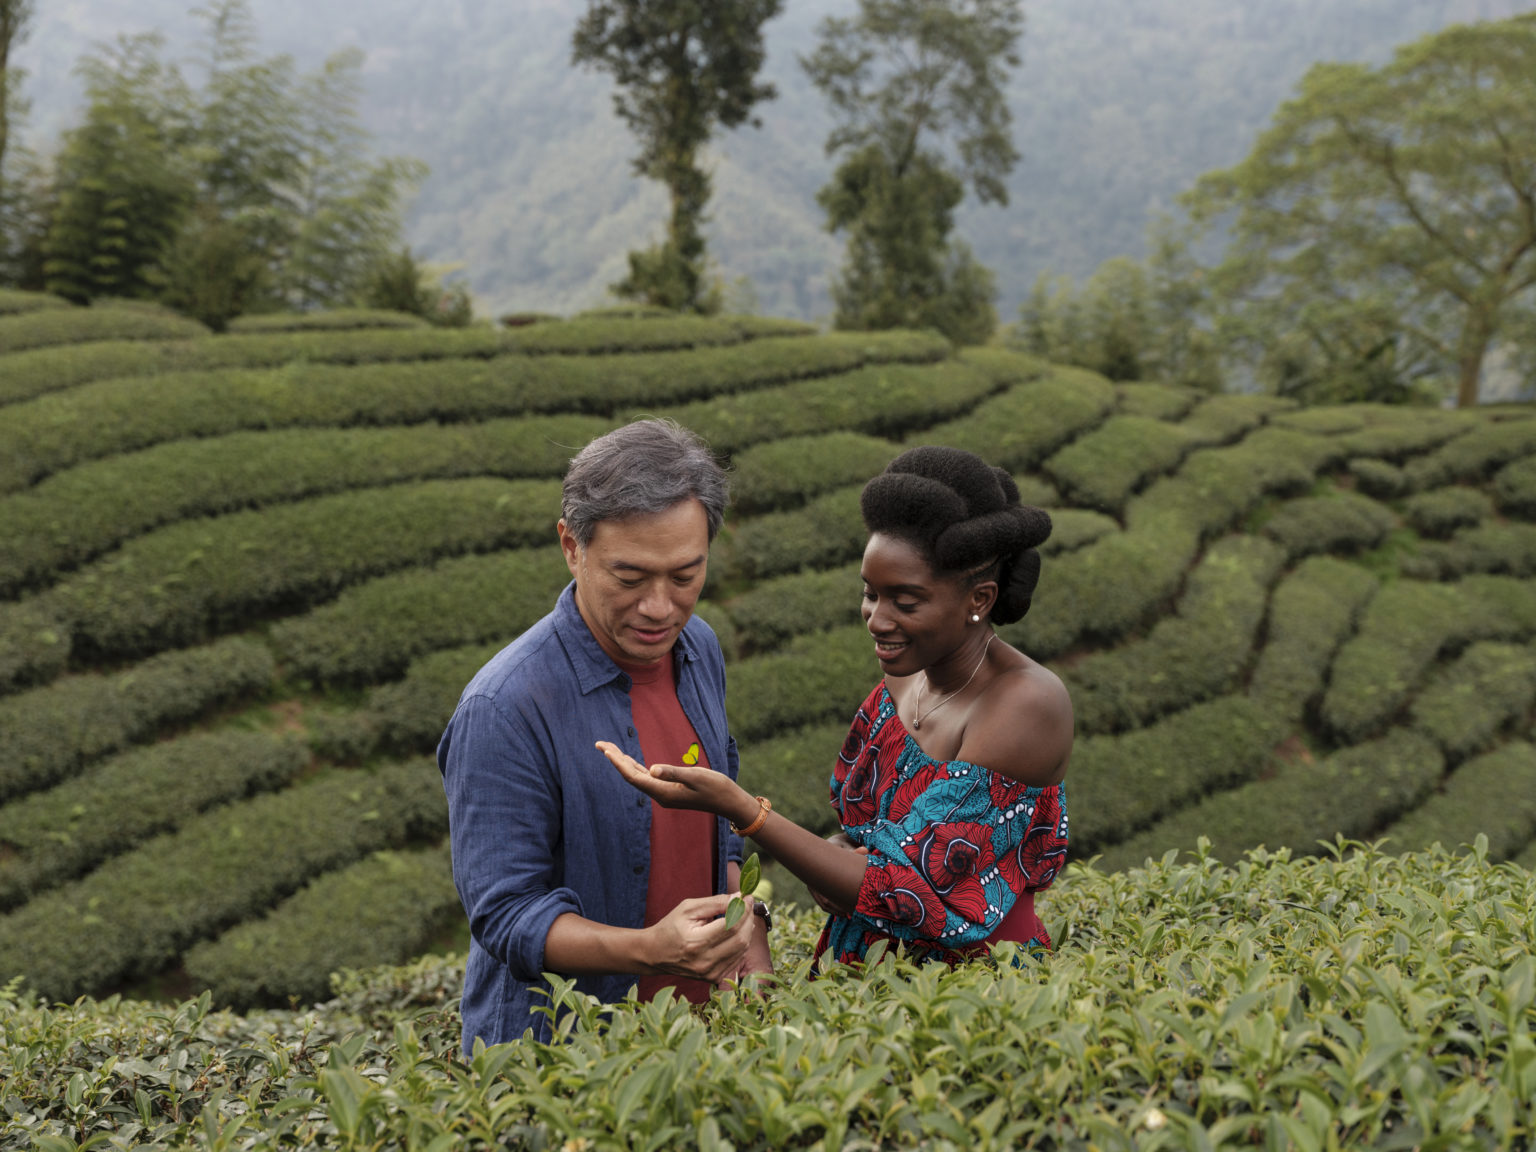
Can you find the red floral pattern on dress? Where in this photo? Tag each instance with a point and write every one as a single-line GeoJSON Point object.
{"type": "Point", "coordinates": [900, 895]}
{"type": "Point", "coordinates": [910, 791]}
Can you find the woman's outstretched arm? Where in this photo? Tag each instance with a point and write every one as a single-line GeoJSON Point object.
{"type": "Point", "coordinates": [831, 869]}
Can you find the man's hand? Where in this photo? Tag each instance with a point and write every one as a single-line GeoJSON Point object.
{"type": "Point", "coordinates": [757, 961]}
{"type": "Point", "coordinates": [824, 902]}
{"type": "Point", "coordinates": [692, 940]}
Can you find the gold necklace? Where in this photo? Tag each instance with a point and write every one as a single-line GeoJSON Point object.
{"type": "Point", "coordinates": [917, 724]}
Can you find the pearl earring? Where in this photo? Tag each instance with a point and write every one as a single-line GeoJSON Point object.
{"type": "Point", "coordinates": [975, 619]}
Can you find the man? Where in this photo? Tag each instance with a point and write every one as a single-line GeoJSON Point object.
{"type": "Point", "coordinates": [562, 866]}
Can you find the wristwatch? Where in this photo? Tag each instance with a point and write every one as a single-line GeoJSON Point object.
{"type": "Point", "coordinates": [760, 908]}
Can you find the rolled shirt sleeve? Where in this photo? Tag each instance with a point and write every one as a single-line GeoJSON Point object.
{"type": "Point", "coordinates": [505, 833]}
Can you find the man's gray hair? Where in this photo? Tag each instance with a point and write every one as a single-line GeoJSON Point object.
{"type": "Point", "coordinates": [638, 470]}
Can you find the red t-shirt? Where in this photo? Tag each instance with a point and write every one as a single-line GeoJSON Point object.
{"type": "Point", "coordinates": [682, 843]}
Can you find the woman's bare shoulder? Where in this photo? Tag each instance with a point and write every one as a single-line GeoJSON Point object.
{"type": "Point", "coordinates": [1022, 726]}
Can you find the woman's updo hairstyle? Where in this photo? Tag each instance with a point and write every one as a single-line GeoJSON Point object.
{"type": "Point", "coordinates": [963, 515]}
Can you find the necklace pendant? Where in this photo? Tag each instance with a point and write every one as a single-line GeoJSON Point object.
{"type": "Point", "coordinates": [917, 725]}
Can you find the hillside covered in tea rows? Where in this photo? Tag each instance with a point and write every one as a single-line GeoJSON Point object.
{"type": "Point", "coordinates": [243, 579]}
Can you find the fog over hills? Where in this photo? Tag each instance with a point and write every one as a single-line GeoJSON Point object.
{"type": "Point", "coordinates": [1119, 105]}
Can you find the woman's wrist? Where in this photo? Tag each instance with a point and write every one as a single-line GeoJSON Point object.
{"type": "Point", "coordinates": [743, 809]}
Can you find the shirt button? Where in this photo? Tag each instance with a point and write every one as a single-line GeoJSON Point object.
{"type": "Point", "coordinates": [639, 868]}
{"type": "Point", "coordinates": [631, 729]}
{"type": "Point", "coordinates": [640, 802]}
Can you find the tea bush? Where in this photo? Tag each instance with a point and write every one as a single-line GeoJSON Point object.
{"type": "Point", "coordinates": [1475, 456]}
{"type": "Point", "coordinates": [1468, 701]}
{"type": "Point", "coordinates": [43, 327]}
{"type": "Point", "coordinates": [1313, 611]}
{"type": "Point", "coordinates": [785, 473]}
{"type": "Point", "coordinates": [1405, 628]}
{"type": "Point", "coordinates": [50, 733]}
{"type": "Point", "coordinates": [1306, 800]}
{"type": "Point", "coordinates": [1074, 528]}
{"type": "Point", "coordinates": [139, 911]}
{"type": "Point", "coordinates": [811, 679]}
{"type": "Point", "coordinates": [76, 515]}
{"type": "Point", "coordinates": [1440, 511]}
{"type": "Point", "coordinates": [1341, 522]}
{"type": "Point", "coordinates": [14, 302]}
{"type": "Point", "coordinates": [1118, 784]}
{"type": "Point", "coordinates": [54, 835]}
{"type": "Point", "coordinates": [1395, 434]}
{"type": "Point", "coordinates": [1159, 401]}
{"type": "Point", "coordinates": [1194, 654]}
{"type": "Point", "coordinates": [1378, 478]}
{"type": "Point", "coordinates": [1328, 420]}
{"type": "Point", "coordinates": [395, 903]}
{"type": "Point", "coordinates": [1492, 796]}
{"type": "Point", "coordinates": [776, 610]}
{"type": "Point", "coordinates": [34, 646]}
{"type": "Point", "coordinates": [1515, 488]}
{"type": "Point", "coordinates": [66, 428]}
{"type": "Point", "coordinates": [828, 531]}
{"type": "Point", "coordinates": [1278, 1002]}
{"type": "Point", "coordinates": [1102, 468]}
{"type": "Point", "coordinates": [1018, 429]}
{"type": "Point", "coordinates": [372, 631]}
{"type": "Point", "coordinates": [1499, 548]}
{"type": "Point", "coordinates": [881, 401]}
{"type": "Point", "coordinates": [333, 320]}
{"type": "Point", "coordinates": [178, 584]}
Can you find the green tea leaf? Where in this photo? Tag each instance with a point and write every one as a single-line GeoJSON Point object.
{"type": "Point", "coordinates": [751, 873]}
{"type": "Point", "coordinates": [734, 911]}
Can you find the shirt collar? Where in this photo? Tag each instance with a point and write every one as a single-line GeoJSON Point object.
{"type": "Point", "coordinates": [593, 666]}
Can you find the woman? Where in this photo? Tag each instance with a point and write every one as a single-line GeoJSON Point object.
{"type": "Point", "coordinates": [949, 785]}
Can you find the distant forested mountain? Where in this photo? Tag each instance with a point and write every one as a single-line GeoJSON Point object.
{"type": "Point", "coordinates": [1119, 105]}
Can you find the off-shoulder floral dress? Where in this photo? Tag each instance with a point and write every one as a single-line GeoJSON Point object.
{"type": "Point", "coordinates": [956, 851]}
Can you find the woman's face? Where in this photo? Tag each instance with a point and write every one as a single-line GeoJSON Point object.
{"type": "Point", "coordinates": [916, 617]}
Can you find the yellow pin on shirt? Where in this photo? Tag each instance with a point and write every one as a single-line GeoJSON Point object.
{"type": "Point", "coordinates": [692, 755]}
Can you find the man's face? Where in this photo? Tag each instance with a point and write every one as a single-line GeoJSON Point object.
{"type": "Point", "coordinates": [638, 579]}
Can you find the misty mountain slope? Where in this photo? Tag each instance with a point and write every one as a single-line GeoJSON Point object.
{"type": "Point", "coordinates": [1119, 105]}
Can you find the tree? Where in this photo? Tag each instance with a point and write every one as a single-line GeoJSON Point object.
{"type": "Point", "coordinates": [15, 18]}
{"type": "Point", "coordinates": [683, 67]}
{"type": "Point", "coordinates": [1383, 229]}
{"type": "Point", "coordinates": [905, 79]}
{"type": "Point", "coordinates": [124, 183]}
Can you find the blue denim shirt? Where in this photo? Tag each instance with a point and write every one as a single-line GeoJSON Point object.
{"type": "Point", "coordinates": [541, 823]}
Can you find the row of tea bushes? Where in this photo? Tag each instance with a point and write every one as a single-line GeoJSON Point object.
{"type": "Point", "coordinates": [1515, 488]}
{"type": "Point", "coordinates": [1196, 653]}
{"type": "Point", "coordinates": [1337, 522]}
{"type": "Point", "coordinates": [1159, 401]}
{"type": "Point", "coordinates": [64, 831]}
{"type": "Point", "coordinates": [1507, 548]}
{"type": "Point", "coordinates": [14, 302]}
{"type": "Point", "coordinates": [886, 400]}
{"type": "Point", "coordinates": [45, 327]}
{"type": "Point", "coordinates": [783, 474]}
{"type": "Point", "coordinates": [66, 428]}
{"type": "Point", "coordinates": [1313, 611]}
{"type": "Point", "coordinates": [337, 319]}
{"type": "Point", "coordinates": [395, 904]}
{"type": "Point", "coordinates": [1118, 784]}
{"type": "Point", "coordinates": [1104, 467]}
{"type": "Point", "coordinates": [820, 677]}
{"type": "Point", "coordinates": [1305, 800]}
{"type": "Point", "coordinates": [139, 911]}
{"type": "Point", "coordinates": [372, 631]}
{"type": "Point", "coordinates": [1351, 1002]}
{"type": "Point", "coordinates": [48, 734]}
{"type": "Point", "coordinates": [1492, 796]}
{"type": "Point", "coordinates": [1468, 701]}
{"type": "Point", "coordinates": [1475, 457]}
{"type": "Point", "coordinates": [1405, 629]}
{"type": "Point", "coordinates": [78, 514]}
{"type": "Point", "coordinates": [827, 531]}
{"type": "Point", "coordinates": [1030, 421]}
{"type": "Point", "coordinates": [177, 585]}
{"type": "Point", "coordinates": [1440, 511]}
